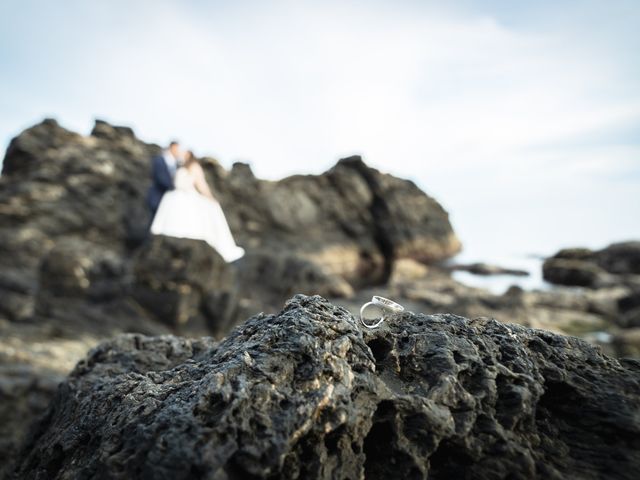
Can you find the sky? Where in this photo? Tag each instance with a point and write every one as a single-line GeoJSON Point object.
{"type": "Point", "coordinates": [521, 117]}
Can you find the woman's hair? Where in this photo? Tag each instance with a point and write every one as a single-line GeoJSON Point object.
{"type": "Point", "coordinates": [189, 158]}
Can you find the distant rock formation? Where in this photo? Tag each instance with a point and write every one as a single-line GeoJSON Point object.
{"type": "Point", "coordinates": [486, 270]}
{"type": "Point", "coordinates": [308, 394]}
{"type": "Point", "coordinates": [617, 264]}
{"type": "Point", "coordinates": [614, 269]}
{"type": "Point", "coordinates": [73, 221]}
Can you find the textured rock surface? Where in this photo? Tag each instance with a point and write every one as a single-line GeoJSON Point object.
{"type": "Point", "coordinates": [25, 392]}
{"type": "Point", "coordinates": [34, 359]}
{"type": "Point", "coordinates": [306, 394]}
{"type": "Point", "coordinates": [258, 269]}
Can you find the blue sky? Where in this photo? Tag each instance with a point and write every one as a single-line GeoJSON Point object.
{"type": "Point", "coordinates": [522, 118]}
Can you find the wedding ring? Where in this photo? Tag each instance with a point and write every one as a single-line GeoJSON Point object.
{"type": "Point", "coordinates": [387, 306]}
{"type": "Point", "coordinates": [386, 303]}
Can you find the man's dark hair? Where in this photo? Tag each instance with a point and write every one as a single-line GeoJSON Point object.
{"type": "Point", "coordinates": [173, 142]}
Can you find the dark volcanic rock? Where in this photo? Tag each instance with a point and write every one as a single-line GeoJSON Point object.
{"type": "Point", "coordinates": [627, 342]}
{"type": "Point", "coordinates": [629, 302]}
{"type": "Point", "coordinates": [59, 188]}
{"type": "Point", "coordinates": [76, 268]}
{"type": "Point", "coordinates": [617, 264]}
{"type": "Point", "coordinates": [352, 220]}
{"type": "Point", "coordinates": [629, 310]}
{"type": "Point", "coordinates": [486, 269]}
{"type": "Point", "coordinates": [182, 280]}
{"type": "Point", "coordinates": [27, 153]}
{"type": "Point", "coordinates": [258, 269]}
{"type": "Point", "coordinates": [25, 393]}
{"type": "Point", "coordinates": [56, 183]}
{"type": "Point", "coordinates": [307, 394]}
{"type": "Point", "coordinates": [620, 258]}
{"type": "Point", "coordinates": [576, 273]}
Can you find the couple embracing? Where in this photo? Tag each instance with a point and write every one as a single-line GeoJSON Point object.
{"type": "Point", "coordinates": [183, 206]}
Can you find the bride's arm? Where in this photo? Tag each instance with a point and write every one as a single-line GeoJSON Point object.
{"type": "Point", "coordinates": [201, 182]}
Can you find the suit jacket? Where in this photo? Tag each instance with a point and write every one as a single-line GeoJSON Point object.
{"type": "Point", "coordinates": [161, 182]}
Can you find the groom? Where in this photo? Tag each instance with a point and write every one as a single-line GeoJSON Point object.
{"type": "Point", "coordinates": [163, 169]}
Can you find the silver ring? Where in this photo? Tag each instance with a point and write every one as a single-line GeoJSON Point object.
{"type": "Point", "coordinates": [385, 305]}
{"type": "Point", "coordinates": [388, 304]}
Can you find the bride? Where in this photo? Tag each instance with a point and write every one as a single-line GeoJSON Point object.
{"type": "Point", "coordinates": [191, 211]}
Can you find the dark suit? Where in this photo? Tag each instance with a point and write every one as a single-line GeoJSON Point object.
{"type": "Point", "coordinates": [162, 182]}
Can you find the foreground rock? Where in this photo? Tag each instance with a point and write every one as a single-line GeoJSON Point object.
{"type": "Point", "coordinates": [34, 359]}
{"type": "Point", "coordinates": [306, 394]}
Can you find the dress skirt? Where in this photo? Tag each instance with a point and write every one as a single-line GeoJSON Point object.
{"type": "Point", "coordinates": [187, 214]}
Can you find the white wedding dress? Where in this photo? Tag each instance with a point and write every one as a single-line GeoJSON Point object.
{"type": "Point", "coordinates": [185, 213]}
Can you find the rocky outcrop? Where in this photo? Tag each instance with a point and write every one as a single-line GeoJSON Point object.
{"type": "Point", "coordinates": [617, 264]}
{"type": "Point", "coordinates": [307, 394]}
{"type": "Point", "coordinates": [612, 275]}
{"type": "Point", "coordinates": [258, 269]}
{"type": "Point", "coordinates": [72, 209]}
{"type": "Point", "coordinates": [59, 187]}
{"type": "Point", "coordinates": [352, 220]}
{"type": "Point", "coordinates": [620, 258]}
{"type": "Point", "coordinates": [184, 283]}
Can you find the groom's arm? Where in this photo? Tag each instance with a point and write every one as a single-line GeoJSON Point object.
{"type": "Point", "coordinates": [161, 175]}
